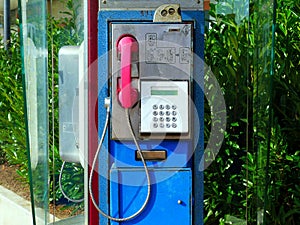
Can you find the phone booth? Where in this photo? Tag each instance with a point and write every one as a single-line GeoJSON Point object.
{"type": "Point", "coordinates": [131, 109]}
{"type": "Point", "coordinates": [145, 158]}
{"type": "Point", "coordinates": [145, 112]}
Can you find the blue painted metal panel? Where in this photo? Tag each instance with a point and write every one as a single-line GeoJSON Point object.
{"type": "Point", "coordinates": [179, 154]}
{"type": "Point", "coordinates": [170, 201]}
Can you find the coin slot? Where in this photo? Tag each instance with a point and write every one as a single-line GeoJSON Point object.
{"type": "Point", "coordinates": [174, 29]}
{"type": "Point", "coordinates": [151, 155]}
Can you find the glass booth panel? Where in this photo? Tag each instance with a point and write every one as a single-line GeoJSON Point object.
{"type": "Point", "coordinates": [34, 42]}
{"type": "Point", "coordinates": [228, 53]}
{"type": "Point", "coordinates": [250, 79]}
{"type": "Point", "coordinates": [57, 184]}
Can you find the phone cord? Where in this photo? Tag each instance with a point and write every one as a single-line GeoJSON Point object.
{"type": "Point", "coordinates": [144, 164]}
{"type": "Point", "coordinates": [61, 187]}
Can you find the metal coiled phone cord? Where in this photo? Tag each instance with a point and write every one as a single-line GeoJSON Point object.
{"type": "Point", "coordinates": [143, 161]}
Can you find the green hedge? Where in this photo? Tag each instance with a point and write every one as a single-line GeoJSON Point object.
{"type": "Point", "coordinates": [233, 186]}
{"type": "Point", "coordinates": [12, 125]}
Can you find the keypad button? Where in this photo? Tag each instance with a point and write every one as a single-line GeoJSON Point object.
{"type": "Point", "coordinates": [161, 119]}
{"type": "Point", "coordinates": [168, 113]}
{"type": "Point", "coordinates": [174, 113]}
{"type": "Point", "coordinates": [174, 107]}
{"type": "Point", "coordinates": [168, 125]}
{"type": "Point", "coordinates": [155, 107]}
{"type": "Point", "coordinates": [155, 119]}
{"type": "Point", "coordinates": [174, 119]}
{"type": "Point", "coordinates": [174, 125]}
{"type": "Point", "coordinates": [161, 125]}
{"type": "Point", "coordinates": [168, 119]}
{"type": "Point", "coordinates": [155, 125]}
{"type": "Point", "coordinates": [168, 107]}
{"type": "Point", "coordinates": [161, 107]}
{"type": "Point", "coordinates": [155, 113]}
{"type": "Point", "coordinates": [161, 113]}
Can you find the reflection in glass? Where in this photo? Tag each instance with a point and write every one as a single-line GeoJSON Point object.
{"type": "Point", "coordinates": [262, 102]}
{"type": "Point", "coordinates": [36, 86]}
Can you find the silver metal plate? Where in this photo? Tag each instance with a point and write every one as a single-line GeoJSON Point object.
{"type": "Point", "coordinates": [168, 13]}
{"type": "Point", "coordinates": [148, 4]}
{"type": "Point", "coordinates": [165, 53]}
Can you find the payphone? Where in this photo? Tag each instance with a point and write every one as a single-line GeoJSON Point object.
{"type": "Point", "coordinates": [153, 132]}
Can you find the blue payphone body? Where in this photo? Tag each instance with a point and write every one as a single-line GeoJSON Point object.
{"type": "Point", "coordinates": [150, 71]}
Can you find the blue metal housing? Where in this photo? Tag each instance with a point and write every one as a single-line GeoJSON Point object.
{"type": "Point", "coordinates": [184, 174]}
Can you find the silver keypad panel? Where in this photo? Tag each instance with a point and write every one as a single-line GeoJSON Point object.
{"type": "Point", "coordinates": [164, 107]}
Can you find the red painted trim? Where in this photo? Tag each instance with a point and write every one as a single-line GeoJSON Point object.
{"type": "Point", "coordinates": [206, 5]}
{"type": "Point", "coordinates": [93, 216]}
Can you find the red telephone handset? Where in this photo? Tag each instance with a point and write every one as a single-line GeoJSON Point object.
{"type": "Point", "coordinates": [126, 45]}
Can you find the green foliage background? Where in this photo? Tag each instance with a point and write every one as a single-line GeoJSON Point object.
{"type": "Point", "coordinates": [235, 181]}
{"type": "Point", "coordinates": [12, 132]}
{"type": "Point", "coordinates": [233, 187]}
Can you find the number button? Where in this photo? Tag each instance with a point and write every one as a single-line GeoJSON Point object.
{"type": "Point", "coordinates": [155, 107]}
